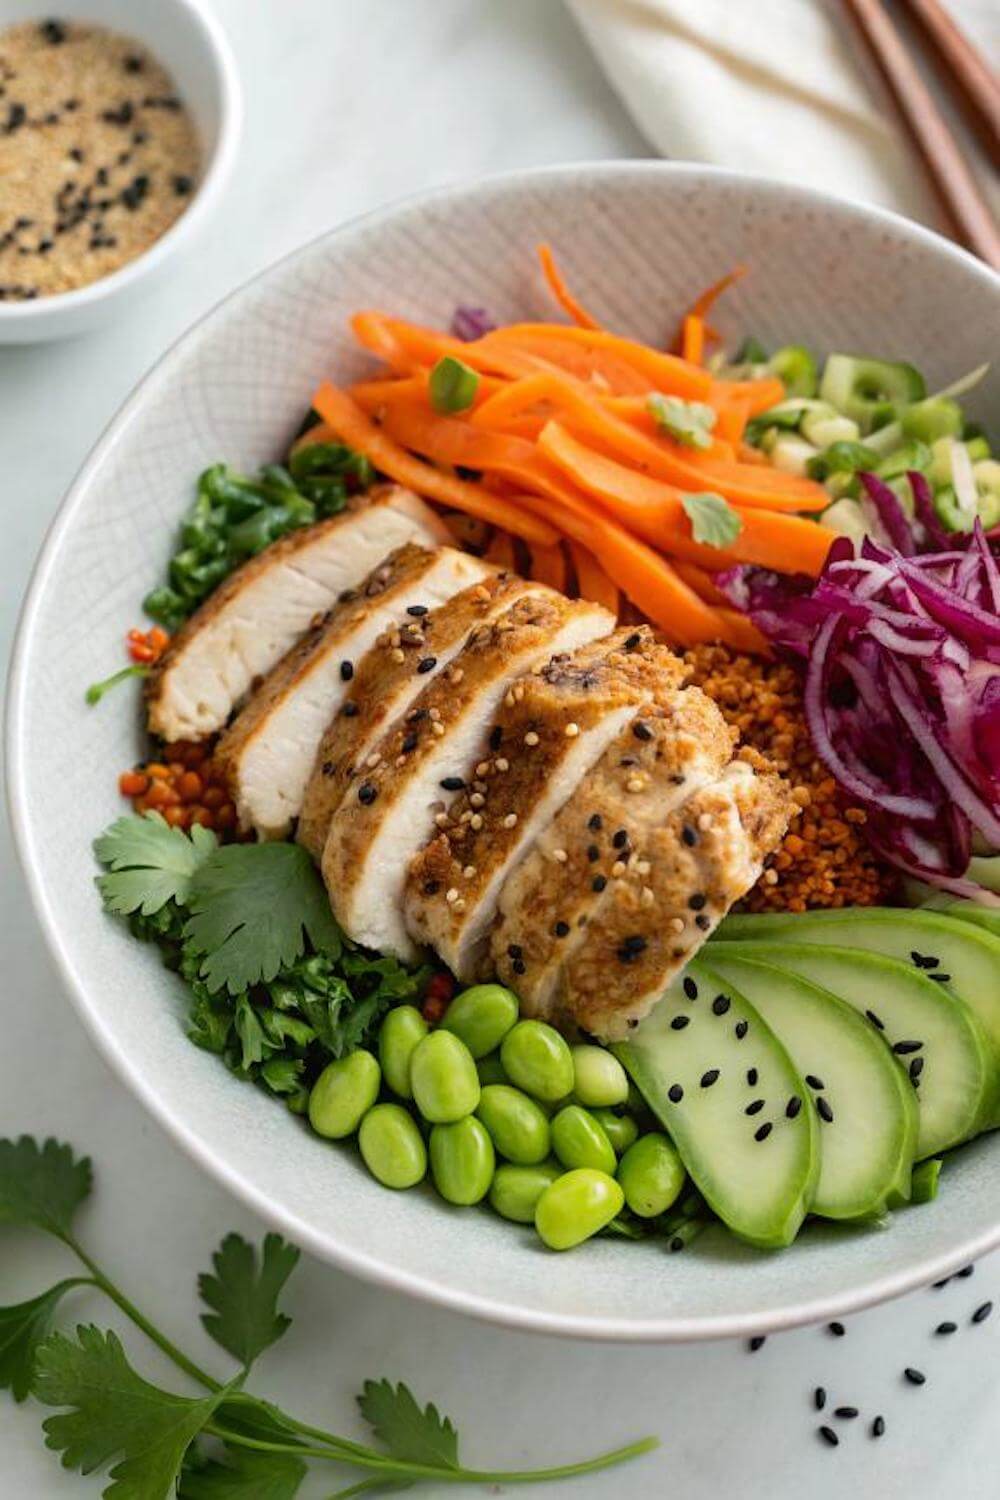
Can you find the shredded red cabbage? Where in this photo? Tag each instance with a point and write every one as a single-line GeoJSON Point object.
{"type": "Point", "coordinates": [900, 648]}
{"type": "Point", "coordinates": [470, 323]}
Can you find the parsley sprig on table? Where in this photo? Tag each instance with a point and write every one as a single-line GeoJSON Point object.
{"type": "Point", "coordinates": [277, 990]}
{"type": "Point", "coordinates": [223, 1443]}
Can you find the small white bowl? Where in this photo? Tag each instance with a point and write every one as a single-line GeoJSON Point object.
{"type": "Point", "coordinates": [192, 46]}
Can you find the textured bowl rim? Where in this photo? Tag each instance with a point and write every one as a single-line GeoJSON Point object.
{"type": "Point", "coordinates": [368, 1266]}
{"type": "Point", "coordinates": [215, 175]}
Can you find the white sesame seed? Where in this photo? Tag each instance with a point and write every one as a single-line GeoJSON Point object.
{"type": "Point", "coordinates": [643, 867]}
{"type": "Point", "coordinates": [400, 760]}
{"type": "Point", "coordinates": [502, 763]}
{"type": "Point", "coordinates": [519, 692]}
{"type": "Point", "coordinates": [441, 819]}
{"type": "Point", "coordinates": [482, 593]}
{"type": "Point", "coordinates": [437, 727]}
{"type": "Point", "coordinates": [509, 700]}
{"type": "Point", "coordinates": [770, 877]}
{"type": "Point", "coordinates": [477, 799]}
{"type": "Point", "coordinates": [398, 655]}
{"type": "Point", "coordinates": [560, 856]}
{"type": "Point", "coordinates": [468, 872]}
{"type": "Point", "coordinates": [476, 821]}
{"type": "Point", "coordinates": [704, 821]}
{"type": "Point", "coordinates": [434, 713]}
{"type": "Point", "coordinates": [531, 738]}
{"type": "Point", "coordinates": [456, 674]}
{"type": "Point", "coordinates": [373, 759]}
{"type": "Point", "coordinates": [459, 905]}
{"type": "Point", "coordinates": [618, 869]}
{"type": "Point", "coordinates": [482, 768]}
{"type": "Point", "coordinates": [510, 821]}
{"type": "Point", "coordinates": [676, 924]}
{"type": "Point", "coordinates": [634, 784]}
{"type": "Point", "coordinates": [466, 817]}
{"type": "Point", "coordinates": [571, 731]}
{"type": "Point", "coordinates": [647, 896]}
{"type": "Point", "coordinates": [451, 895]}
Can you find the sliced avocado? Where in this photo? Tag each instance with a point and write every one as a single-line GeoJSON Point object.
{"type": "Point", "coordinates": [860, 388]}
{"type": "Point", "coordinates": [866, 1105]}
{"type": "Point", "coordinates": [689, 1059]}
{"type": "Point", "coordinates": [955, 1079]}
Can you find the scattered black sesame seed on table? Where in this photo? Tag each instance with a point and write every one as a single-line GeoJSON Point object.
{"type": "Point", "coordinates": [914, 1376]}
{"type": "Point", "coordinates": [837, 1329]}
{"type": "Point", "coordinates": [829, 1436]}
{"type": "Point", "coordinates": [819, 1398]}
{"type": "Point", "coordinates": [878, 1427]}
{"type": "Point", "coordinates": [846, 1413]}
{"type": "Point", "coordinates": [757, 1342]}
{"type": "Point", "coordinates": [946, 1328]}
{"type": "Point", "coordinates": [982, 1312]}
{"type": "Point", "coordinates": [965, 1271]}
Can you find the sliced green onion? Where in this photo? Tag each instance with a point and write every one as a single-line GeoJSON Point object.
{"type": "Point", "coordinates": [453, 385]}
{"type": "Point", "coordinates": [96, 691]}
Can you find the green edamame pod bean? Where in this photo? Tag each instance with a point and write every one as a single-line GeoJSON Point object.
{"type": "Point", "coordinates": [577, 1205]}
{"type": "Point", "coordinates": [536, 1058]}
{"type": "Point", "coordinates": [599, 1078]}
{"type": "Point", "coordinates": [392, 1147]}
{"type": "Point", "coordinates": [400, 1033]}
{"type": "Point", "coordinates": [482, 1016]}
{"type": "Point", "coordinates": [342, 1094]}
{"type": "Point", "coordinates": [621, 1130]}
{"type": "Point", "coordinates": [515, 1190]}
{"type": "Point", "coordinates": [462, 1160]}
{"type": "Point", "coordinates": [443, 1078]}
{"type": "Point", "coordinates": [518, 1127]}
{"type": "Point", "coordinates": [651, 1175]}
{"type": "Point", "coordinates": [580, 1141]}
{"type": "Point", "coordinates": [490, 1069]}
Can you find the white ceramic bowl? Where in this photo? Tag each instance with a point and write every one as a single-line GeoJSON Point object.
{"type": "Point", "coordinates": [637, 242]}
{"type": "Point", "coordinates": [187, 39]}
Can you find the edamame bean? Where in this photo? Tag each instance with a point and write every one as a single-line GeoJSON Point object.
{"type": "Point", "coordinates": [401, 1030]}
{"type": "Point", "coordinates": [580, 1141]}
{"type": "Point", "coordinates": [536, 1058]}
{"type": "Point", "coordinates": [621, 1130]}
{"type": "Point", "coordinates": [515, 1191]}
{"type": "Point", "coordinates": [651, 1175]}
{"type": "Point", "coordinates": [576, 1206]}
{"type": "Point", "coordinates": [392, 1146]}
{"type": "Point", "coordinates": [599, 1078]}
{"type": "Point", "coordinates": [342, 1093]}
{"type": "Point", "coordinates": [518, 1126]}
{"type": "Point", "coordinates": [443, 1078]}
{"type": "Point", "coordinates": [482, 1016]}
{"type": "Point", "coordinates": [490, 1069]}
{"type": "Point", "coordinates": [462, 1160]}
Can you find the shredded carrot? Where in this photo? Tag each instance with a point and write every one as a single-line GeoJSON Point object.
{"type": "Point", "coordinates": [760, 395]}
{"type": "Point", "coordinates": [561, 291]}
{"type": "Point", "coordinates": [693, 339]}
{"type": "Point", "coordinates": [354, 427]}
{"type": "Point", "coordinates": [703, 304]}
{"type": "Point", "coordinates": [549, 565]}
{"type": "Point", "coordinates": [591, 580]}
{"type": "Point", "coordinates": [628, 367]}
{"type": "Point", "coordinates": [701, 581]}
{"type": "Point", "coordinates": [407, 348]}
{"type": "Point", "coordinates": [732, 420]}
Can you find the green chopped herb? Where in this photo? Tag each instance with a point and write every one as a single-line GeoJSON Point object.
{"type": "Point", "coordinates": [96, 691]}
{"type": "Point", "coordinates": [690, 422]}
{"type": "Point", "coordinates": [453, 385]}
{"type": "Point", "coordinates": [713, 519]}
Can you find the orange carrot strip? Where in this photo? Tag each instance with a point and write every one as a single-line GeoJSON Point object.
{"type": "Point", "coordinates": [356, 429]}
{"type": "Point", "coordinates": [741, 634]}
{"type": "Point", "coordinates": [701, 581]}
{"type": "Point", "coordinates": [377, 395]}
{"type": "Point", "coordinates": [590, 352]}
{"type": "Point", "coordinates": [732, 420]}
{"type": "Point", "coordinates": [592, 581]}
{"type": "Point", "coordinates": [548, 565]}
{"type": "Point", "coordinates": [408, 348]}
{"type": "Point", "coordinates": [655, 511]}
{"type": "Point", "coordinates": [561, 291]}
{"type": "Point", "coordinates": [501, 551]}
{"type": "Point", "coordinates": [760, 395]}
{"type": "Point", "coordinates": [693, 339]}
{"type": "Point", "coordinates": [703, 304]}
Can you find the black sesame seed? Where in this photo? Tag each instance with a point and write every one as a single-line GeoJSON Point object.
{"type": "Point", "coordinates": [965, 1272]}
{"type": "Point", "coordinates": [598, 883]}
{"type": "Point", "coordinates": [514, 950]}
{"type": "Point", "coordinates": [757, 1342]}
{"type": "Point", "coordinates": [824, 1111]}
{"type": "Point", "coordinates": [819, 1398]}
{"type": "Point", "coordinates": [346, 671]}
{"type": "Point", "coordinates": [633, 641]}
{"type": "Point", "coordinates": [642, 731]}
{"type": "Point", "coordinates": [75, 153]}
{"type": "Point", "coordinates": [451, 783]}
{"type": "Point", "coordinates": [675, 1093]}
{"type": "Point", "coordinates": [561, 929]}
{"type": "Point", "coordinates": [690, 989]}
{"type": "Point", "coordinates": [367, 793]}
{"type": "Point", "coordinates": [814, 1082]}
{"type": "Point", "coordinates": [689, 836]}
{"type": "Point", "coordinates": [829, 1436]}
{"type": "Point", "coordinates": [431, 887]}
{"type": "Point", "coordinates": [982, 1312]}
{"type": "Point", "coordinates": [710, 1077]}
{"type": "Point", "coordinates": [679, 1023]}
{"type": "Point", "coordinates": [873, 1018]}
{"type": "Point", "coordinates": [845, 1413]}
{"type": "Point", "coordinates": [416, 610]}
{"type": "Point", "coordinates": [120, 116]}
{"type": "Point", "coordinates": [837, 1329]}
{"type": "Point", "coordinates": [720, 1005]}
{"type": "Point", "coordinates": [946, 1328]}
{"type": "Point", "coordinates": [878, 1427]}
{"type": "Point", "coordinates": [903, 1049]}
{"type": "Point", "coordinates": [740, 1029]}
{"type": "Point", "coordinates": [410, 742]}
{"type": "Point", "coordinates": [496, 737]}
{"type": "Point", "coordinates": [915, 1377]}
{"type": "Point", "coordinates": [916, 1068]}
{"type": "Point", "coordinates": [427, 664]}
{"type": "Point", "coordinates": [629, 950]}
{"type": "Point", "coordinates": [182, 184]}
{"type": "Point", "coordinates": [595, 821]}
{"type": "Point", "coordinates": [697, 901]}
{"type": "Point", "coordinates": [763, 1131]}
{"type": "Point", "coordinates": [133, 63]}
{"type": "Point", "coordinates": [350, 710]}
{"type": "Point", "coordinates": [793, 1106]}
{"type": "Point", "coordinates": [940, 978]}
{"type": "Point", "coordinates": [620, 838]}
{"type": "Point", "coordinates": [937, 1285]}
{"type": "Point", "coordinates": [752, 1076]}
{"type": "Point", "coordinates": [702, 922]}
{"type": "Point", "coordinates": [53, 32]}
{"type": "Point", "coordinates": [518, 965]}
{"type": "Point", "coordinates": [755, 1107]}
{"type": "Point", "coordinates": [593, 853]}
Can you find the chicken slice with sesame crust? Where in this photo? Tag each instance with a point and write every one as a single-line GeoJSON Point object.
{"type": "Point", "coordinates": [267, 753]}
{"type": "Point", "coordinates": [678, 879]}
{"type": "Point", "coordinates": [679, 744]}
{"type": "Point", "coordinates": [386, 681]}
{"type": "Point", "coordinates": [417, 767]}
{"type": "Point", "coordinates": [245, 627]}
{"type": "Point", "coordinates": [556, 724]}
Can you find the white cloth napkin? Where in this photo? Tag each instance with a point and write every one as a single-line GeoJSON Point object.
{"type": "Point", "coordinates": [782, 87]}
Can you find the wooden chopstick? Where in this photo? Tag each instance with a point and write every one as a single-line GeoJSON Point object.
{"type": "Point", "coordinates": [971, 220]}
{"type": "Point", "coordinates": [976, 86]}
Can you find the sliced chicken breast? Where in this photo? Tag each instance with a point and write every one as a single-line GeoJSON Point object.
{"type": "Point", "coordinates": [680, 743]}
{"type": "Point", "coordinates": [559, 721]}
{"type": "Point", "coordinates": [245, 627]}
{"type": "Point", "coordinates": [384, 686]}
{"type": "Point", "coordinates": [677, 885]}
{"type": "Point", "coordinates": [268, 751]}
{"type": "Point", "coordinates": [421, 762]}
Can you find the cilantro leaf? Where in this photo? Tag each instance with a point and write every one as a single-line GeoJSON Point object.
{"type": "Point", "coordinates": [713, 520]}
{"type": "Point", "coordinates": [41, 1185]}
{"type": "Point", "coordinates": [244, 1317]}
{"type": "Point", "coordinates": [690, 422]}
{"type": "Point", "coordinates": [115, 1412]}
{"type": "Point", "coordinates": [245, 1475]}
{"type": "Point", "coordinates": [22, 1328]}
{"type": "Point", "coordinates": [150, 862]}
{"type": "Point", "coordinates": [411, 1435]}
{"type": "Point", "coordinates": [252, 905]}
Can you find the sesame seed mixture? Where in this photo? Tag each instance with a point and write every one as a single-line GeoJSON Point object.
{"type": "Point", "coordinates": [98, 156]}
{"type": "Point", "coordinates": [823, 860]}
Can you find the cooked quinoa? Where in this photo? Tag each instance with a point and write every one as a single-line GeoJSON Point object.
{"type": "Point", "coordinates": [98, 156]}
{"type": "Point", "coordinates": [824, 860]}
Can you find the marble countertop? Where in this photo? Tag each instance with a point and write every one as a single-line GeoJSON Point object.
{"type": "Point", "coordinates": [360, 102]}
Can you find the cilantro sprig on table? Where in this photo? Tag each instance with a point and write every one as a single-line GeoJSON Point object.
{"type": "Point", "coordinates": [276, 989]}
{"type": "Point", "coordinates": [220, 1442]}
